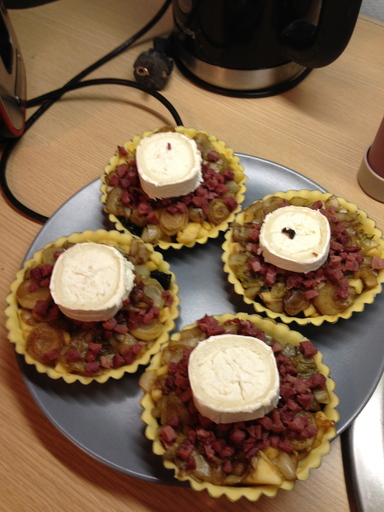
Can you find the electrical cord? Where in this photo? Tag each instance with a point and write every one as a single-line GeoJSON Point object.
{"type": "Point", "coordinates": [109, 56]}
{"type": "Point", "coordinates": [48, 99]}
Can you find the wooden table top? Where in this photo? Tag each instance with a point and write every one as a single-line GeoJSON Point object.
{"type": "Point", "coordinates": [321, 128]}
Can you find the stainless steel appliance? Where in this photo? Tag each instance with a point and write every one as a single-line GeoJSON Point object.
{"type": "Point", "coordinates": [259, 45]}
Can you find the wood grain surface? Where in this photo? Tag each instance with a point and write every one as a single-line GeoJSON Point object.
{"type": "Point", "coordinates": [320, 128]}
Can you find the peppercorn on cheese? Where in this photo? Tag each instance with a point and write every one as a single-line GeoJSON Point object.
{"type": "Point", "coordinates": [295, 238]}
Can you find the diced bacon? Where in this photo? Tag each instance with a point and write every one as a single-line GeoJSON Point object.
{"type": "Point", "coordinates": [298, 424]}
{"type": "Point", "coordinates": [231, 203]}
{"type": "Point", "coordinates": [254, 431]}
{"type": "Point", "coordinates": [105, 362]}
{"type": "Point", "coordinates": [248, 444]}
{"type": "Point", "coordinates": [227, 451]}
{"type": "Point", "coordinates": [352, 248]}
{"type": "Point", "coordinates": [46, 269]}
{"type": "Point", "coordinates": [294, 281]}
{"type": "Point", "coordinates": [237, 436]}
{"type": "Point", "coordinates": [336, 246]}
{"type": "Point", "coordinates": [121, 328]}
{"type": "Point", "coordinates": [308, 432]}
{"type": "Point", "coordinates": [307, 348]}
{"type": "Point", "coordinates": [255, 264]}
{"type": "Point", "coordinates": [44, 283]}
{"type": "Point", "coordinates": [51, 355]}
{"type": "Point", "coordinates": [200, 202]}
{"type": "Point", "coordinates": [167, 436]}
{"type": "Point", "coordinates": [247, 328]}
{"type": "Point", "coordinates": [311, 294]}
{"type": "Point", "coordinates": [36, 273]}
{"type": "Point", "coordinates": [293, 405]}
{"type": "Point", "coordinates": [33, 287]}
{"type": "Point", "coordinates": [212, 155]}
{"type": "Point", "coordinates": [210, 453]}
{"type": "Point", "coordinates": [118, 361]}
{"type": "Point", "coordinates": [317, 205]}
{"type": "Point", "coordinates": [191, 463]}
{"type": "Point", "coordinates": [95, 347]}
{"type": "Point", "coordinates": [186, 395]}
{"type": "Point", "coordinates": [181, 381]}
{"type": "Point", "coordinates": [227, 467]}
{"type": "Point", "coordinates": [277, 423]}
{"type": "Point", "coordinates": [210, 326]}
{"type": "Point", "coordinates": [316, 380]}
{"type": "Point", "coordinates": [343, 290]}
{"type": "Point", "coordinates": [92, 367]}
{"type": "Point", "coordinates": [335, 260]}
{"type": "Point", "coordinates": [377, 263]}
{"type": "Point", "coordinates": [73, 355]}
{"type": "Point", "coordinates": [305, 400]}
{"type": "Point", "coordinates": [336, 275]}
{"type": "Point", "coordinates": [110, 324]}
{"type": "Point", "coordinates": [144, 208]}
{"type": "Point", "coordinates": [206, 436]}
{"type": "Point", "coordinates": [185, 450]}
{"type": "Point", "coordinates": [286, 446]}
{"type": "Point", "coordinates": [286, 391]}
{"type": "Point", "coordinates": [352, 264]}
{"type": "Point", "coordinates": [276, 347]}
{"type": "Point", "coordinates": [122, 151]}
{"type": "Point", "coordinates": [266, 422]}
{"type": "Point", "coordinates": [270, 276]}
{"type": "Point", "coordinates": [90, 356]}
{"type": "Point", "coordinates": [41, 308]}
{"type": "Point", "coordinates": [228, 175]}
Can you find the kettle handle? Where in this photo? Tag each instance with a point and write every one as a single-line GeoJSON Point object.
{"type": "Point", "coordinates": [317, 46]}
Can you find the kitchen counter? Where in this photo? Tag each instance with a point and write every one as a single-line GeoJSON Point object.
{"type": "Point", "coordinates": [321, 129]}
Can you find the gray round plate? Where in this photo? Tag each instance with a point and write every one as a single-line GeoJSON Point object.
{"type": "Point", "coordinates": [105, 420]}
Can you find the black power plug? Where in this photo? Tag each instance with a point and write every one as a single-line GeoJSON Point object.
{"type": "Point", "coordinates": [153, 67]}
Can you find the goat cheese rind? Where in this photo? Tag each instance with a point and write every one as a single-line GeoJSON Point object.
{"type": "Point", "coordinates": [169, 165]}
{"type": "Point", "coordinates": [233, 378]}
{"type": "Point", "coordinates": [90, 281]}
{"type": "Point", "coordinates": [295, 238]}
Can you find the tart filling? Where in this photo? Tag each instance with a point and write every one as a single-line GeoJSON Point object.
{"type": "Point", "coordinates": [173, 200]}
{"type": "Point", "coordinates": [73, 341]}
{"type": "Point", "coordinates": [250, 457]}
{"type": "Point", "coordinates": [349, 277]}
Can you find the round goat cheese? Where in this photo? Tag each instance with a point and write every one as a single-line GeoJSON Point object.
{"type": "Point", "coordinates": [169, 165]}
{"type": "Point", "coordinates": [90, 281]}
{"type": "Point", "coordinates": [233, 378]}
{"type": "Point", "coordinates": [295, 238]}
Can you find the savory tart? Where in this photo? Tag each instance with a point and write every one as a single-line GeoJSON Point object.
{"type": "Point", "coordinates": [91, 306]}
{"type": "Point", "coordinates": [246, 457]}
{"type": "Point", "coordinates": [287, 263]}
{"type": "Point", "coordinates": [173, 187]}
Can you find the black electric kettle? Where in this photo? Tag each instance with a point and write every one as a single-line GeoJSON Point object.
{"type": "Point", "coordinates": [264, 46]}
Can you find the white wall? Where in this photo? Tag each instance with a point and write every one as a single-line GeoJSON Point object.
{"type": "Point", "coordinates": [374, 8]}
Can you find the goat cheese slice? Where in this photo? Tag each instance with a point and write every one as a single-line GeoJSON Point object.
{"type": "Point", "coordinates": [295, 238]}
{"type": "Point", "coordinates": [233, 378]}
{"type": "Point", "coordinates": [90, 281]}
{"type": "Point", "coordinates": [169, 165]}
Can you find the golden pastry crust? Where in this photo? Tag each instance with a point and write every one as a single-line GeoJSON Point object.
{"type": "Point", "coordinates": [174, 429]}
{"type": "Point", "coordinates": [183, 221]}
{"type": "Point", "coordinates": [349, 279]}
{"type": "Point", "coordinates": [88, 351]}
